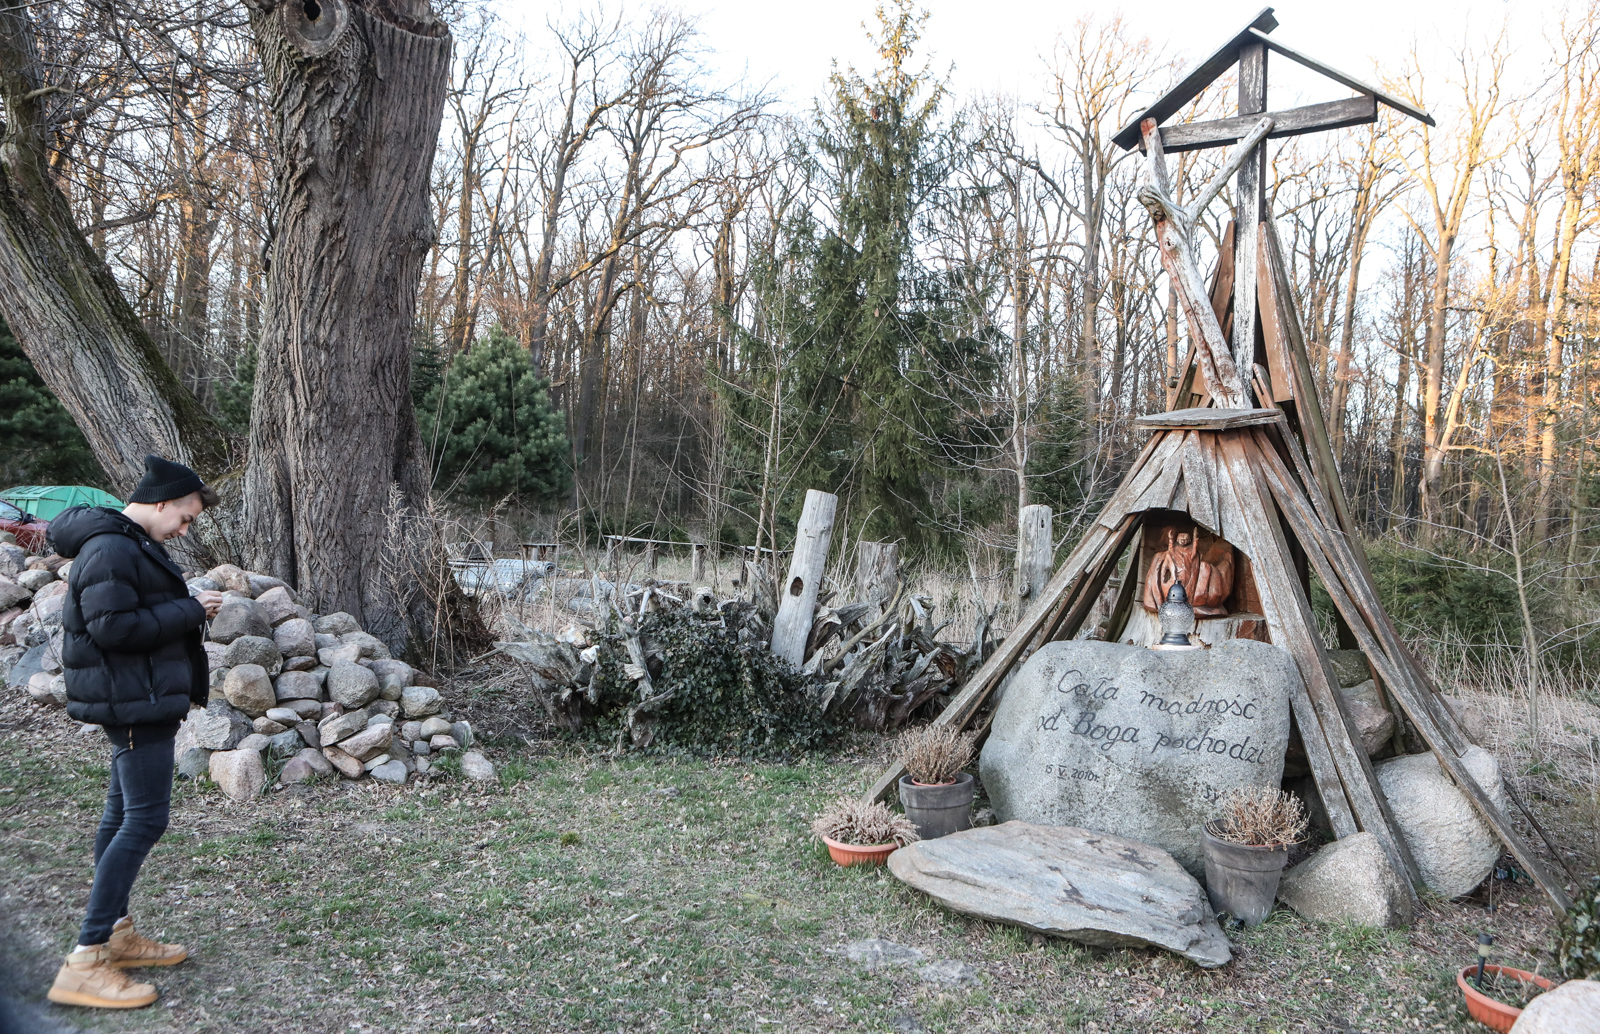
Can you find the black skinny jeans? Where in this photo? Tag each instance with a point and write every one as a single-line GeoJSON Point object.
{"type": "Point", "coordinates": [138, 804]}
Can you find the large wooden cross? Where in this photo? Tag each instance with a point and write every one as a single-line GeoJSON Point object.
{"type": "Point", "coordinates": [1248, 50]}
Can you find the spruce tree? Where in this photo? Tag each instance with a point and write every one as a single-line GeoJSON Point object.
{"type": "Point", "coordinates": [857, 328]}
{"type": "Point", "coordinates": [490, 428]}
{"type": "Point", "coordinates": [39, 443]}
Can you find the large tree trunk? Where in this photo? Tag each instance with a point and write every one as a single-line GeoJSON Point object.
{"type": "Point", "coordinates": [357, 94]}
{"type": "Point", "coordinates": [66, 309]}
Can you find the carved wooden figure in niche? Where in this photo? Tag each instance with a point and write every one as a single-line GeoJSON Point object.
{"type": "Point", "coordinates": [1207, 580]}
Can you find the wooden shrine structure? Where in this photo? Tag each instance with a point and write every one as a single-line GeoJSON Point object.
{"type": "Point", "coordinates": [1244, 454]}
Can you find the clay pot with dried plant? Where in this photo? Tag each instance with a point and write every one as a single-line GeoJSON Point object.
{"type": "Point", "coordinates": [1246, 847]}
{"type": "Point", "coordinates": [862, 833]}
{"type": "Point", "coordinates": [936, 793]}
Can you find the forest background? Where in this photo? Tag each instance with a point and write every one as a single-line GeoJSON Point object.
{"type": "Point", "coordinates": [663, 301]}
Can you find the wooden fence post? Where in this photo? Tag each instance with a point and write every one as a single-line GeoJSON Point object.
{"type": "Point", "coordinates": [650, 556]}
{"type": "Point", "coordinates": [877, 571]}
{"type": "Point", "coordinates": [798, 594]}
{"type": "Point", "coordinates": [697, 562]}
{"type": "Point", "coordinates": [1035, 552]}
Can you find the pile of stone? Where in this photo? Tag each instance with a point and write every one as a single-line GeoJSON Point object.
{"type": "Point", "coordinates": [313, 691]}
{"type": "Point", "coordinates": [33, 590]}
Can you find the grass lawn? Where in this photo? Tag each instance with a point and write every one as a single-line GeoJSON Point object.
{"type": "Point", "coordinates": [591, 894]}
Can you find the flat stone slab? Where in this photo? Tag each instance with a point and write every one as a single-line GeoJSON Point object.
{"type": "Point", "coordinates": [1143, 743]}
{"type": "Point", "coordinates": [1068, 882]}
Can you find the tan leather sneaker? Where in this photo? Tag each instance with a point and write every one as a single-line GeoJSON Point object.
{"type": "Point", "coordinates": [88, 978]}
{"type": "Point", "coordinates": [129, 948]}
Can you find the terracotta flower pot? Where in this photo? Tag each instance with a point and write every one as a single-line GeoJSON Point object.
{"type": "Point", "coordinates": [1491, 1012]}
{"type": "Point", "coordinates": [857, 854]}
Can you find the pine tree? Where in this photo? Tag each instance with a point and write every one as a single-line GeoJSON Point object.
{"type": "Point", "coordinates": [39, 443]}
{"type": "Point", "coordinates": [490, 428]}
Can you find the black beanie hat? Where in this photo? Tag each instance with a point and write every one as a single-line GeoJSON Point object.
{"type": "Point", "coordinates": [165, 480]}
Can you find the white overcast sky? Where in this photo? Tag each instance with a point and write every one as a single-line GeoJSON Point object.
{"type": "Point", "coordinates": [996, 46]}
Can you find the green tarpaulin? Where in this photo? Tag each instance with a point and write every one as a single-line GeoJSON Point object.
{"type": "Point", "coordinates": [46, 501]}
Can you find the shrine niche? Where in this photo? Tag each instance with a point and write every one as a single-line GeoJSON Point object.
{"type": "Point", "coordinates": [1206, 574]}
{"type": "Point", "coordinates": [1218, 578]}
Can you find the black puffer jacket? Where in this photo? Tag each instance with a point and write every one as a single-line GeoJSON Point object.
{"type": "Point", "coordinates": [132, 652]}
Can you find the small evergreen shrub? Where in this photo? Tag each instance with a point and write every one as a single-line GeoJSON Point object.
{"type": "Point", "coordinates": [489, 426]}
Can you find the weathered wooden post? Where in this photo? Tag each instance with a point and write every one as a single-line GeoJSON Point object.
{"type": "Point", "coordinates": [797, 595]}
{"type": "Point", "coordinates": [697, 562]}
{"type": "Point", "coordinates": [1035, 551]}
{"type": "Point", "coordinates": [877, 571]}
{"type": "Point", "coordinates": [650, 556]}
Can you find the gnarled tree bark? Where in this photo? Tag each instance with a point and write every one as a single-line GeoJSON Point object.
{"type": "Point", "coordinates": [357, 94]}
{"type": "Point", "coordinates": [64, 306]}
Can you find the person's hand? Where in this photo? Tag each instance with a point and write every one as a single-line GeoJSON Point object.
{"type": "Point", "coordinates": [211, 600]}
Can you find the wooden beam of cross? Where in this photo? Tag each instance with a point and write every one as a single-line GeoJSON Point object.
{"type": "Point", "coordinates": [1248, 49]}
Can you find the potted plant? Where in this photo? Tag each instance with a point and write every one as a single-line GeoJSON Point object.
{"type": "Point", "coordinates": [1496, 995]}
{"type": "Point", "coordinates": [936, 793]}
{"type": "Point", "coordinates": [1246, 847]}
{"type": "Point", "coordinates": [862, 833]}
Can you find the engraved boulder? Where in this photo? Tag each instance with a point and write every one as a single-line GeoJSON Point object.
{"type": "Point", "coordinates": [1141, 743]}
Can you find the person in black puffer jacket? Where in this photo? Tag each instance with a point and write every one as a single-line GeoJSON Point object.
{"type": "Point", "coordinates": [134, 664]}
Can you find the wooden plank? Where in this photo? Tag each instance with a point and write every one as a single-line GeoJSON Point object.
{"type": "Point", "coordinates": [1358, 584]}
{"type": "Point", "coordinates": [1158, 453]}
{"type": "Point", "coordinates": [1275, 334]}
{"type": "Point", "coordinates": [1313, 118]}
{"type": "Point", "coordinates": [1222, 284]}
{"type": "Point", "coordinates": [1199, 484]}
{"type": "Point", "coordinates": [1071, 619]}
{"type": "Point", "coordinates": [1250, 202]}
{"type": "Point", "coordinates": [1193, 84]}
{"type": "Point", "coordinates": [1293, 626]}
{"type": "Point", "coordinates": [1207, 419]}
{"type": "Point", "coordinates": [1159, 495]}
{"type": "Point", "coordinates": [1100, 548]}
{"type": "Point", "coordinates": [1127, 593]}
{"type": "Point", "coordinates": [1339, 573]}
{"type": "Point", "coordinates": [1180, 496]}
{"type": "Point", "coordinates": [1307, 61]}
{"type": "Point", "coordinates": [1231, 498]}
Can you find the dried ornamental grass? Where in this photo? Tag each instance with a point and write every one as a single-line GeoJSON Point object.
{"type": "Point", "coordinates": [1260, 816]}
{"type": "Point", "coordinates": [849, 821]}
{"type": "Point", "coordinates": [935, 754]}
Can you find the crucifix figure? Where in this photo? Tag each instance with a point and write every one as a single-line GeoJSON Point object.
{"type": "Point", "coordinates": [1230, 368]}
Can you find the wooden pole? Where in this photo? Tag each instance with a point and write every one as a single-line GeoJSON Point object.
{"type": "Point", "coordinates": [1251, 197]}
{"type": "Point", "coordinates": [1035, 551]}
{"type": "Point", "coordinates": [877, 571]}
{"type": "Point", "coordinates": [650, 556]}
{"type": "Point", "coordinates": [798, 593]}
{"type": "Point", "coordinates": [697, 562]}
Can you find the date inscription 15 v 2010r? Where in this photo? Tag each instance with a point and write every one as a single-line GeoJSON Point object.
{"type": "Point", "coordinates": [1089, 697]}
